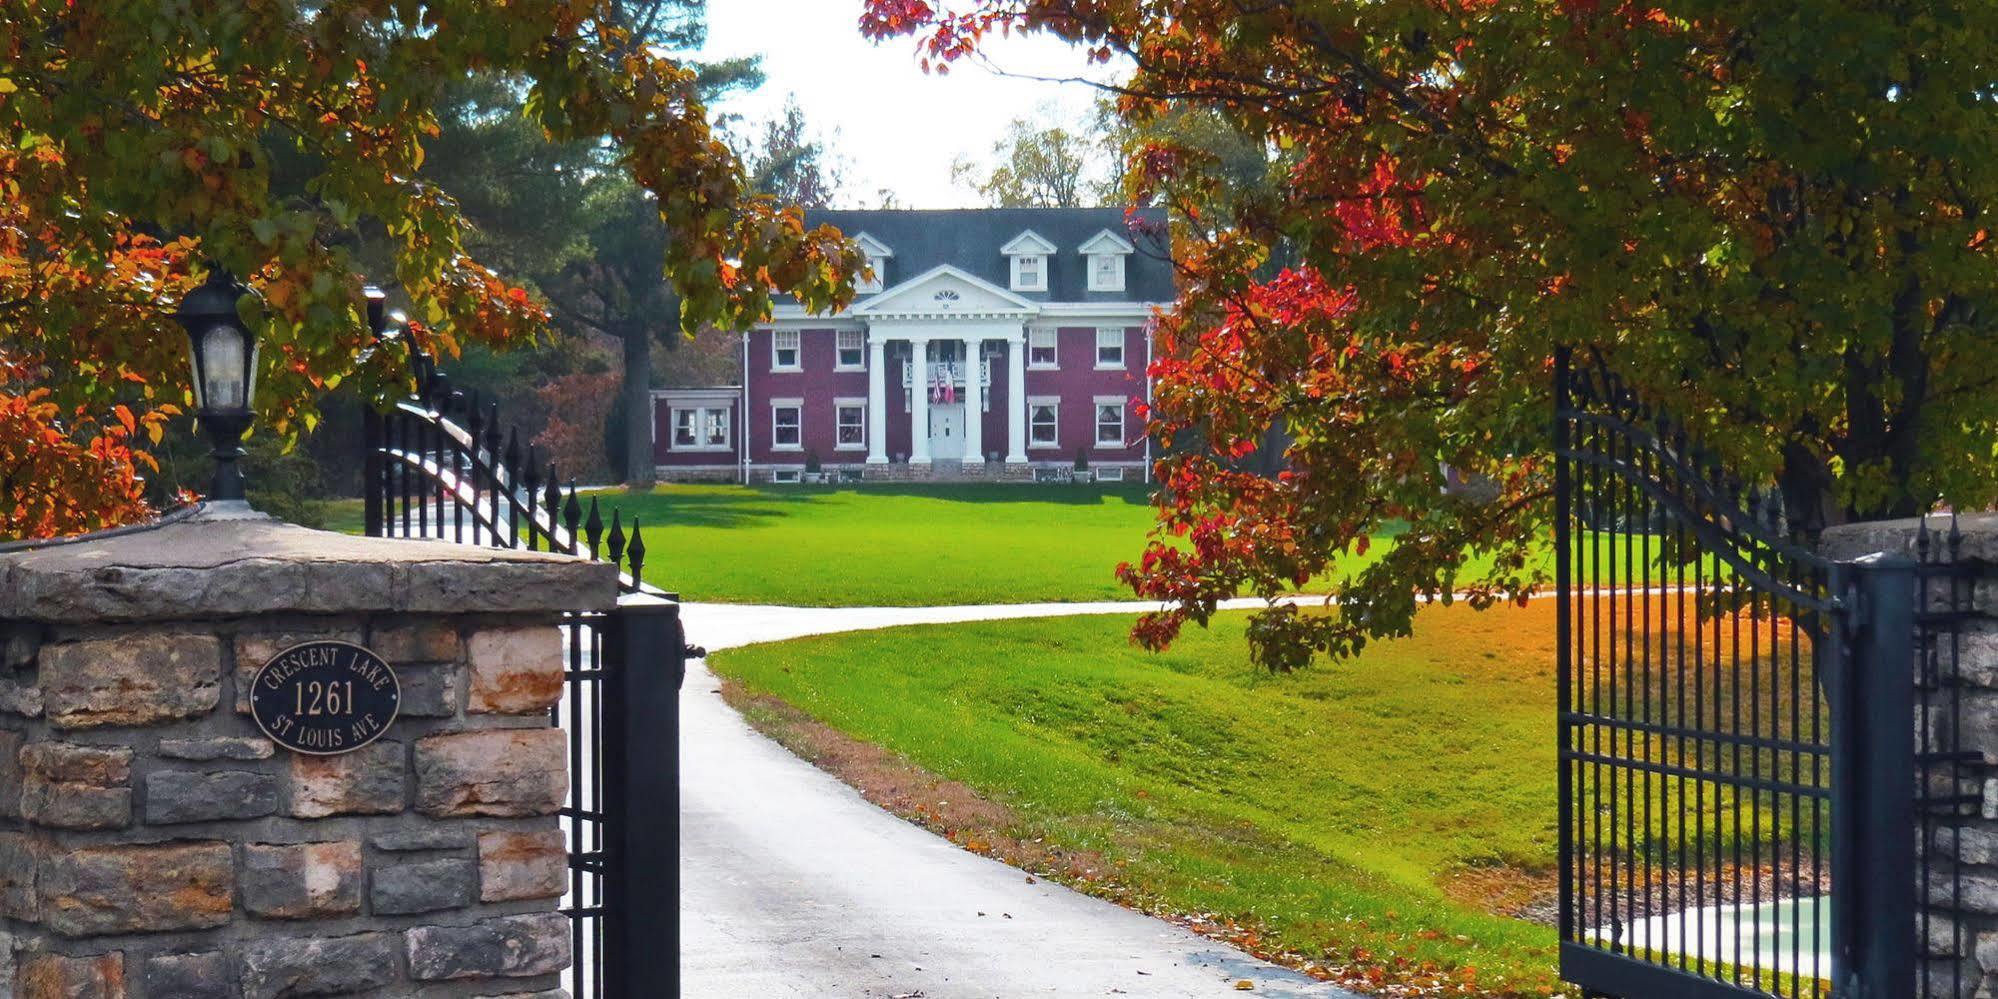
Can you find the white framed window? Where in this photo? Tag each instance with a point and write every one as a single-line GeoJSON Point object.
{"type": "Point", "coordinates": [1109, 474]}
{"type": "Point", "coordinates": [1043, 423]}
{"type": "Point", "coordinates": [700, 428]}
{"type": "Point", "coordinates": [877, 254]}
{"type": "Point", "coordinates": [1030, 272]}
{"type": "Point", "coordinates": [1041, 349]}
{"type": "Point", "coordinates": [850, 424]}
{"type": "Point", "coordinates": [786, 476]}
{"type": "Point", "coordinates": [1109, 421]}
{"type": "Point", "coordinates": [787, 425]}
{"type": "Point", "coordinates": [878, 267]}
{"type": "Point", "coordinates": [785, 354]}
{"type": "Point", "coordinates": [852, 351]}
{"type": "Point", "coordinates": [1106, 272]}
{"type": "Point", "coordinates": [1110, 347]}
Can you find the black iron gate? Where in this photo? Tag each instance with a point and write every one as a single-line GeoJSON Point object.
{"type": "Point", "coordinates": [439, 466]}
{"type": "Point", "coordinates": [1741, 786]}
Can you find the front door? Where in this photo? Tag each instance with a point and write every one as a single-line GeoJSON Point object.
{"type": "Point", "coordinates": [947, 430]}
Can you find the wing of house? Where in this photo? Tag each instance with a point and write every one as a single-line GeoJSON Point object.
{"type": "Point", "coordinates": [987, 343]}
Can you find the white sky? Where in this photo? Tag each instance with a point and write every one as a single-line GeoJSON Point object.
{"type": "Point", "coordinates": [895, 127]}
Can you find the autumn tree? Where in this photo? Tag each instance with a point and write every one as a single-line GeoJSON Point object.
{"type": "Point", "coordinates": [135, 155]}
{"type": "Point", "coordinates": [789, 161]}
{"type": "Point", "coordinates": [561, 218]}
{"type": "Point", "coordinates": [1771, 215]}
{"type": "Point", "coordinates": [1039, 166]}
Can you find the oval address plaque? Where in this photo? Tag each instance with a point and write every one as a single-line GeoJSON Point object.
{"type": "Point", "coordinates": [325, 697]}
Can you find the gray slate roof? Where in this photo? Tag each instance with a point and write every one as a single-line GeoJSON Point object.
{"type": "Point", "coordinates": [970, 238]}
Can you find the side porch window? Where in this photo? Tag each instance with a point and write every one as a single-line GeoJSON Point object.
{"type": "Point", "coordinates": [700, 428]}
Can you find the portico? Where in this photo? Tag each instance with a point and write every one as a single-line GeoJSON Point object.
{"type": "Point", "coordinates": [940, 323]}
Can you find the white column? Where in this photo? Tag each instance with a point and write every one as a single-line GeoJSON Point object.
{"type": "Point", "coordinates": [974, 404]}
{"type": "Point", "coordinates": [919, 401]}
{"type": "Point", "coordinates": [1016, 401]}
{"type": "Point", "coordinates": [877, 402]}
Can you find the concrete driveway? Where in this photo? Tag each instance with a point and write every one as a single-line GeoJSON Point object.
{"type": "Point", "coordinates": [794, 885]}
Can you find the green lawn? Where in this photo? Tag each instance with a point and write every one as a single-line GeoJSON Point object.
{"type": "Point", "coordinates": [1342, 813]}
{"type": "Point", "coordinates": [904, 546]}
{"type": "Point", "coordinates": [889, 545]}
{"type": "Point", "coordinates": [883, 545]}
{"type": "Point", "coordinates": [1380, 811]}
{"type": "Point", "coordinates": [343, 516]}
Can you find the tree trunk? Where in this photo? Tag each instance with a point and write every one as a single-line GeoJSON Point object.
{"type": "Point", "coordinates": [639, 471]}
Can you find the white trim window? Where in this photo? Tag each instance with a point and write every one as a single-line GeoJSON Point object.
{"type": "Point", "coordinates": [1110, 347]}
{"type": "Point", "coordinates": [787, 425]}
{"type": "Point", "coordinates": [1109, 421]}
{"type": "Point", "coordinates": [1044, 422]}
{"type": "Point", "coordinates": [852, 351]}
{"type": "Point", "coordinates": [1041, 349]}
{"type": "Point", "coordinates": [1106, 252]}
{"type": "Point", "coordinates": [877, 254]}
{"type": "Point", "coordinates": [878, 266]}
{"type": "Point", "coordinates": [850, 424]}
{"type": "Point", "coordinates": [1106, 272]}
{"type": "Point", "coordinates": [700, 428]}
{"type": "Point", "coordinates": [1030, 253]}
{"type": "Point", "coordinates": [786, 350]}
{"type": "Point", "coordinates": [1030, 272]}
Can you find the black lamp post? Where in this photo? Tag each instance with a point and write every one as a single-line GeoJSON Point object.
{"type": "Point", "coordinates": [225, 374]}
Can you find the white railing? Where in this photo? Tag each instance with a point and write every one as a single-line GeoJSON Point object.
{"type": "Point", "coordinates": [949, 369]}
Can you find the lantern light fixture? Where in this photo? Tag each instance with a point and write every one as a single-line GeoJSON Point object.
{"type": "Point", "coordinates": [224, 352]}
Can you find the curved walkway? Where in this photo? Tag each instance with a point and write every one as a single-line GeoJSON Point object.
{"type": "Point", "coordinates": [794, 885]}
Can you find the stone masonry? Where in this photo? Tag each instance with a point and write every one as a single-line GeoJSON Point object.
{"type": "Point", "coordinates": [154, 845]}
{"type": "Point", "coordinates": [1966, 854]}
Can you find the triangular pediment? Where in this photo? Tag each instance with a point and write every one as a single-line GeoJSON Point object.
{"type": "Point", "coordinates": [1106, 242]}
{"type": "Point", "coordinates": [871, 246]}
{"type": "Point", "coordinates": [1028, 243]}
{"type": "Point", "coordinates": [946, 290]}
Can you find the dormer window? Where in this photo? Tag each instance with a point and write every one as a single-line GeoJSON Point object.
{"type": "Point", "coordinates": [878, 268]}
{"type": "Point", "coordinates": [877, 254]}
{"type": "Point", "coordinates": [1029, 253]}
{"type": "Point", "coordinates": [1030, 273]}
{"type": "Point", "coordinates": [1106, 272]}
{"type": "Point", "coordinates": [1105, 253]}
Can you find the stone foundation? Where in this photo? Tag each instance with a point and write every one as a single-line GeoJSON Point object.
{"type": "Point", "coordinates": [154, 844]}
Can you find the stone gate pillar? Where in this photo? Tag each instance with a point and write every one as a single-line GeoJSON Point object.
{"type": "Point", "coordinates": [156, 843]}
{"type": "Point", "coordinates": [1956, 711]}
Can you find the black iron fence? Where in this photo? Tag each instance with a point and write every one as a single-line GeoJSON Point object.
{"type": "Point", "coordinates": [438, 465]}
{"type": "Point", "coordinates": [1741, 780]}
{"type": "Point", "coordinates": [1948, 777]}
